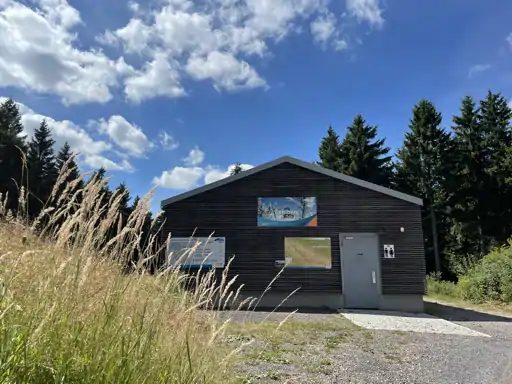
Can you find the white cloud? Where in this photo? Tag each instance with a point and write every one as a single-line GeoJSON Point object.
{"type": "Point", "coordinates": [38, 53]}
{"type": "Point", "coordinates": [323, 27]}
{"type": "Point", "coordinates": [126, 135]}
{"type": "Point", "coordinates": [179, 178]}
{"type": "Point", "coordinates": [367, 11]}
{"type": "Point", "coordinates": [167, 142]}
{"type": "Point", "coordinates": [134, 6]}
{"type": "Point", "coordinates": [96, 162]}
{"type": "Point", "coordinates": [225, 70]}
{"type": "Point", "coordinates": [325, 30]}
{"type": "Point", "coordinates": [509, 40]}
{"type": "Point", "coordinates": [158, 78]}
{"type": "Point", "coordinates": [93, 153]}
{"type": "Point", "coordinates": [195, 157]}
{"type": "Point", "coordinates": [213, 174]}
{"type": "Point", "coordinates": [479, 68]}
{"type": "Point", "coordinates": [41, 51]}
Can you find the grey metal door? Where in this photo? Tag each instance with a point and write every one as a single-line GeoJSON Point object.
{"type": "Point", "coordinates": [360, 270]}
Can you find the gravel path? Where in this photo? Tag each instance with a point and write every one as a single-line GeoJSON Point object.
{"type": "Point", "coordinates": [327, 348]}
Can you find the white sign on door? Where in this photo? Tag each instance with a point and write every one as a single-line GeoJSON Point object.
{"type": "Point", "coordinates": [211, 252]}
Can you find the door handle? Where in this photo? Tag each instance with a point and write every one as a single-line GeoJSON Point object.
{"type": "Point", "coordinates": [373, 277]}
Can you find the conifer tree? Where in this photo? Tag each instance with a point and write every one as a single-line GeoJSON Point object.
{"type": "Point", "coordinates": [494, 117]}
{"type": "Point", "coordinates": [236, 169]}
{"type": "Point", "coordinates": [42, 170]}
{"type": "Point", "coordinates": [364, 156]}
{"type": "Point", "coordinates": [12, 148]}
{"type": "Point", "coordinates": [329, 151]}
{"type": "Point", "coordinates": [424, 161]}
{"type": "Point", "coordinates": [468, 191]}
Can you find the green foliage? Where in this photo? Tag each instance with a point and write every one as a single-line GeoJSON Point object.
{"type": "Point", "coordinates": [236, 169]}
{"type": "Point", "coordinates": [42, 169]}
{"type": "Point", "coordinates": [423, 167]}
{"type": "Point", "coordinates": [12, 146]}
{"type": "Point", "coordinates": [364, 156]}
{"type": "Point", "coordinates": [491, 278]}
{"type": "Point", "coordinates": [329, 152]}
{"type": "Point", "coordinates": [437, 287]}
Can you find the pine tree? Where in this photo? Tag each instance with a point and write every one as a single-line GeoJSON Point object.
{"type": "Point", "coordinates": [41, 167]}
{"type": "Point", "coordinates": [423, 164]}
{"type": "Point", "coordinates": [366, 157]}
{"type": "Point", "coordinates": [236, 169]}
{"type": "Point", "coordinates": [494, 116]}
{"type": "Point", "coordinates": [468, 191]}
{"type": "Point", "coordinates": [12, 146]}
{"type": "Point", "coordinates": [329, 151]}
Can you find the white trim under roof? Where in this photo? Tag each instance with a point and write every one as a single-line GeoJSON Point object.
{"type": "Point", "coordinates": [299, 163]}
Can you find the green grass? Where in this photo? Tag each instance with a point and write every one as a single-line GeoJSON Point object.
{"type": "Point", "coordinates": [69, 314]}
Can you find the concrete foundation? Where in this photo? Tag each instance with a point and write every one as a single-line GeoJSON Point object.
{"type": "Point", "coordinates": [328, 301]}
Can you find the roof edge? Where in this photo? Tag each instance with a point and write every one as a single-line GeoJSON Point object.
{"type": "Point", "coordinates": [299, 163]}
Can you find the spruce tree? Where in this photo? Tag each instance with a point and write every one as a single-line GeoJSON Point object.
{"type": "Point", "coordinates": [62, 157]}
{"type": "Point", "coordinates": [124, 207]}
{"type": "Point", "coordinates": [236, 169]}
{"type": "Point", "coordinates": [329, 151]}
{"type": "Point", "coordinates": [424, 161]}
{"type": "Point", "coordinates": [12, 149]}
{"type": "Point", "coordinates": [364, 156]}
{"type": "Point", "coordinates": [468, 191]}
{"type": "Point", "coordinates": [494, 116]}
{"type": "Point", "coordinates": [42, 171]}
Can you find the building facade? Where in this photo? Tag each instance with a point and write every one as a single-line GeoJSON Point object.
{"type": "Point", "coordinates": [341, 242]}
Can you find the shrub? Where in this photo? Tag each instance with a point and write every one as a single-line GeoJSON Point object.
{"type": "Point", "coordinates": [491, 278]}
{"type": "Point", "coordinates": [438, 287]}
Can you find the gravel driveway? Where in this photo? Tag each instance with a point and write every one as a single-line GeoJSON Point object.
{"type": "Point", "coordinates": [327, 348]}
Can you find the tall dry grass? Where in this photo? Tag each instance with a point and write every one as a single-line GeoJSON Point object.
{"type": "Point", "coordinates": [69, 313]}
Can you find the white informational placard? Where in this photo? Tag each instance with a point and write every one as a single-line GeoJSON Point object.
{"type": "Point", "coordinates": [210, 253]}
{"type": "Point", "coordinates": [389, 251]}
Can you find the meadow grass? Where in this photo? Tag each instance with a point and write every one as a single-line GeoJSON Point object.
{"type": "Point", "coordinates": [70, 313]}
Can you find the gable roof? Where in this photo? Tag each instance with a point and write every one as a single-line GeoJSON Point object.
{"type": "Point", "coordinates": [299, 163]}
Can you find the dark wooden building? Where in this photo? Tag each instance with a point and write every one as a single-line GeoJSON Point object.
{"type": "Point", "coordinates": [342, 242]}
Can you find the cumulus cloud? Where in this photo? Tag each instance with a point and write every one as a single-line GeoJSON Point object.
{"type": "Point", "coordinates": [213, 174]}
{"type": "Point", "coordinates": [204, 40]}
{"type": "Point", "coordinates": [93, 152]}
{"type": "Point", "coordinates": [127, 136]}
{"type": "Point", "coordinates": [167, 142]}
{"type": "Point", "coordinates": [368, 11]}
{"type": "Point", "coordinates": [37, 53]}
{"type": "Point", "coordinates": [96, 162]}
{"type": "Point", "coordinates": [195, 157]}
{"type": "Point", "coordinates": [179, 178]}
{"type": "Point", "coordinates": [191, 174]}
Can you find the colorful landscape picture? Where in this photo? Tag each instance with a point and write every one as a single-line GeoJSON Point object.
{"type": "Point", "coordinates": [287, 212]}
{"type": "Point", "coordinates": [312, 252]}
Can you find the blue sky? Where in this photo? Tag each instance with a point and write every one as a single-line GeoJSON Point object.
{"type": "Point", "coordinates": [174, 92]}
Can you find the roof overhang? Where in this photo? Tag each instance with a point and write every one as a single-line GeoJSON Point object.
{"type": "Point", "coordinates": [299, 163]}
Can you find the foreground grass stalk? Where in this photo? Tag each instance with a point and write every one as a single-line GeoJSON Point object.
{"type": "Point", "coordinates": [69, 312]}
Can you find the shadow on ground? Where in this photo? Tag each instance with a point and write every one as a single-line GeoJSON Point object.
{"type": "Point", "coordinates": [450, 313]}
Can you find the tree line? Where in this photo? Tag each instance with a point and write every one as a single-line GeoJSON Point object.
{"type": "Point", "coordinates": [33, 166]}
{"type": "Point", "coordinates": [462, 172]}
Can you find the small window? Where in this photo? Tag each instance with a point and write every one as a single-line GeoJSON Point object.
{"type": "Point", "coordinates": [307, 252]}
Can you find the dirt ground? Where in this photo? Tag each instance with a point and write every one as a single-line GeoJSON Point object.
{"type": "Point", "coordinates": [313, 347]}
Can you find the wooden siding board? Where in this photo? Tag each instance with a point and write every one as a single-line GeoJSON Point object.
{"type": "Point", "coordinates": [230, 211]}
